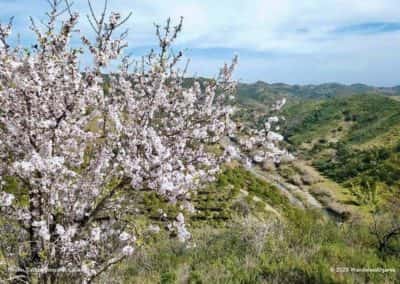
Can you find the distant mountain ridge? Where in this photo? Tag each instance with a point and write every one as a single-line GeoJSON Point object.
{"type": "Point", "coordinates": [265, 92]}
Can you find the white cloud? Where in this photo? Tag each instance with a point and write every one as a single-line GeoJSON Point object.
{"type": "Point", "coordinates": [303, 28]}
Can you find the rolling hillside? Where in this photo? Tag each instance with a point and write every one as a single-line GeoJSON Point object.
{"type": "Point", "coordinates": [262, 92]}
{"type": "Point", "coordinates": [351, 137]}
{"type": "Point", "coordinates": [359, 120]}
{"type": "Point", "coordinates": [296, 222]}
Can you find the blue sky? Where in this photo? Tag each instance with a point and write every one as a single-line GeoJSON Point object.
{"type": "Point", "coordinates": [291, 41]}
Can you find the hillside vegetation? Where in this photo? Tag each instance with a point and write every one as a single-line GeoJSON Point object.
{"type": "Point", "coordinates": [246, 230]}
{"type": "Point", "coordinates": [356, 120]}
{"type": "Point", "coordinates": [251, 245]}
{"type": "Point", "coordinates": [261, 92]}
{"type": "Point", "coordinates": [353, 141]}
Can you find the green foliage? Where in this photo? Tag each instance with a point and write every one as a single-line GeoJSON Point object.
{"type": "Point", "coordinates": [366, 194]}
{"type": "Point", "coordinates": [168, 277]}
{"type": "Point", "coordinates": [14, 186]}
{"type": "Point", "coordinates": [243, 179]}
{"type": "Point", "coordinates": [306, 249]}
{"type": "Point", "coordinates": [261, 92]}
{"type": "Point", "coordinates": [153, 203]}
{"type": "Point", "coordinates": [352, 140]}
{"type": "Point", "coordinates": [367, 116]}
{"type": "Point", "coordinates": [220, 201]}
{"type": "Point", "coordinates": [361, 167]}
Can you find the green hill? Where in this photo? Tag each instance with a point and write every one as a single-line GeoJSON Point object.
{"type": "Point", "coordinates": [235, 240]}
{"type": "Point", "coordinates": [246, 230]}
{"type": "Point", "coordinates": [356, 120]}
{"type": "Point", "coordinates": [261, 92]}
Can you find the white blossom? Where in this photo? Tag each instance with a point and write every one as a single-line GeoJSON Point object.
{"type": "Point", "coordinates": [124, 236]}
{"type": "Point", "coordinates": [128, 250]}
{"type": "Point", "coordinates": [96, 234]}
{"type": "Point", "coordinates": [6, 199]}
{"type": "Point", "coordinates": [273, 119]}
{"type": "Point", "coordinates": [44, 233]}
{"type": "Point", "coordinates": [258, 158]}
{"type": "Point", "coordinates": [267, 126]}
{"type": "Point", "coordinates": [60, 230]}
{"type": "Point", "coordinates": [232, 151]}
{"type": "Point", "coordinates": [39, 223]}
{"type": "Point", "coordinates": [273, 136]}
{"type": "Point", "coordinates": [248, 163]}
{"type": "Point", "coordinates": [180, 227]}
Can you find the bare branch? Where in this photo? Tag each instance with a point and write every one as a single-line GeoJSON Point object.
{"type": "Point", "coordinates": [93, 14]}
{"type": "Point", "coordinates": [4, 32]}
{"type": "Point", "coordinates": [123, 21]}
{"type": "Point", "coordinates": [69, 5]}
{"type": "Point", "coordinates": [95, 29]}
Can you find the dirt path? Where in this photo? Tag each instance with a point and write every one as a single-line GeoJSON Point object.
{"type": "Point", "coordinates": [292, 192]}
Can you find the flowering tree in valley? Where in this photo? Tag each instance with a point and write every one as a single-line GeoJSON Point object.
{"type": "Point", "coordinates": [73, 141]}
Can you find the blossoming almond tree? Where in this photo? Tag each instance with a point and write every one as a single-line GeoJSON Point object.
{"type": "Point", "coordinates": [74, 140]}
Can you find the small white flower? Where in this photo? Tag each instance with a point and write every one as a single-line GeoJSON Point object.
{"type": "Point", "coordinates": [248, 163]}
{"type": "Point", "coordinates": [114, 18]}
{"type": "Point", "coordinates": [273, 136]}
{"type": "Point", "coordinates": [60, 230]}
{"type": "Point", "coordinates": [166, 186]}
{"type": "Point", "coordinates": [128, 250]}
{"type": "Point", "coordinates": [38, 223]}
{"type": "Point", "coordinates": [24, 216]}
{"type": "Point", "coordinates": [44, 233]}
{"type": "Point", "coordinates": [124, 236]}
{"type": "Point", "coordinates": [95, 234]}
{"type": "Point", "coordinates": [189, 97]}
{"type": "Point", "coordinates": [232, 151]}
{"type": "Point", "coordinates": [273, 119]}
{"type": "Point", "coordinates": [258, 158]}
{"type": "Point", "coordinates": [6, 199]}
{"type": "Point", "coordinates": [180, 218]}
